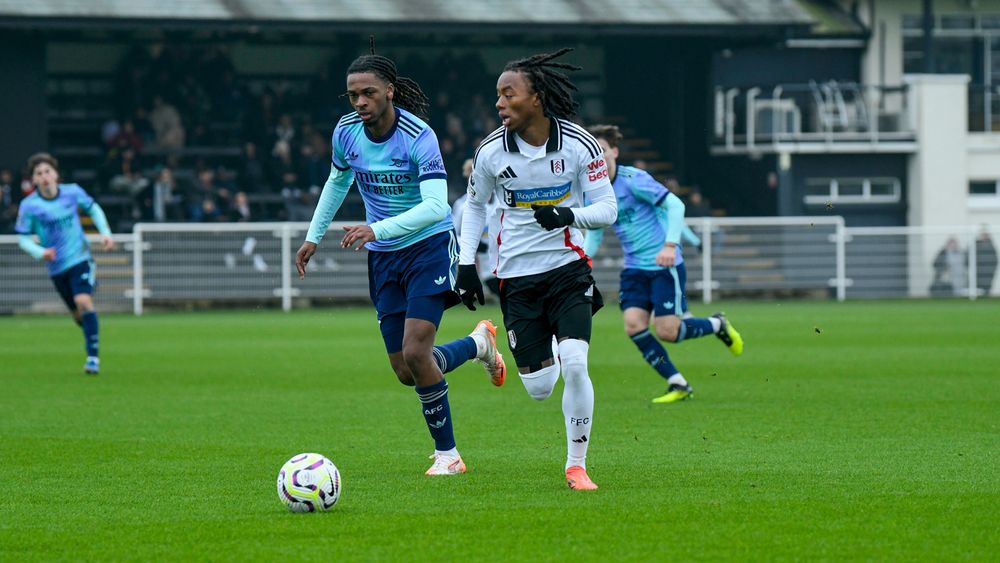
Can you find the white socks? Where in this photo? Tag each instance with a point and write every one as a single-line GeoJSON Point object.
{"type": "Point", "coordinates": [716, 324]}
{"type": "Point", "coordinates": [677, 379]}
{"type": "Point", "coordinates": [578, 400]}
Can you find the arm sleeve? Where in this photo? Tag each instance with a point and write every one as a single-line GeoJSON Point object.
{"type": "Point", "coordinates": [329, 203]}
{"type": "Point", "coordinates": [600, 211]}
{"type": "Point", "coordinates": [481, 185]}
{"type": "Point", "coordinates": [688, 235]}
{"type": "Point", "coordinates": [100, 219]}
{"type": "Point", "coordinates": [432, 208]}
{"type": "Point", "coordinates": [473, 221]}
{"type": "Point", "coordinates": [28, 244]}
{"type": "Point", "coordinates": [675, 217]}
{"type": "Point", "coordinates": [592, 241]}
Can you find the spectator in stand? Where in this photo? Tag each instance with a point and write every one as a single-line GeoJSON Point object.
{"type": "Point", "coordinates": [201, 198]}
{"type": "Point", "coordinates": [126, 138]}
{"type": "Point", "coordinates": [8, 201]}
{"type": "Point", "coordinates": [697, 206]}
{"type": "Point", "coordinates": [281, 161]}
{"type": "Point", "coordinates": [167, 125]}
{"type": "Point", "coordinates": [240, 212]}
{"type": "Point", "coordinates": [314, 165]}
{"type": "Point", "coordinates": [252, 174]}
{"type": "Point", "coordinates": [163, 201]}
{"type": "Point", "coordinates": [284, 131]}
{"type": "Point", "coordinates": [129, 182]}
{"type": "Point", "coordinates": [299, 203]}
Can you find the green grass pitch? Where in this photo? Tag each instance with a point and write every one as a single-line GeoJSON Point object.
{"type": "Point", "coordinates": [854, 431]}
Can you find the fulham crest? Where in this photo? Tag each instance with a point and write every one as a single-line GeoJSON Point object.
{"type": "Point", "coordinates": [557, 165]}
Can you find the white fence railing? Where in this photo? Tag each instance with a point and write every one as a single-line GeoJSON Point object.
{"type": "Point", "coordinates": [165, 265]}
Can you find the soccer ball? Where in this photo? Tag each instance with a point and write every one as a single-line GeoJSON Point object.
{"type": "Point", "coordinates": [309, 483]}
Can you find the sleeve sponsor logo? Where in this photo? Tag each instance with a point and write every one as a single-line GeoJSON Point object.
{"type": "Point", "coordinates": [433, 165]}
{"type": "Point", "coordinates": [597, 170]}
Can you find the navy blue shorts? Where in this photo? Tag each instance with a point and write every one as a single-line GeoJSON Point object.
{"type": "Point", "coordinates": [75, 280]}
{"type": "Point", "coordinates": [425, 268]}
{"type": "Point", "coordinates": [660, 291]}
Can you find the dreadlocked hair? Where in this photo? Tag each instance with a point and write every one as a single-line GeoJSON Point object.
{"type": "Point", "coordinates": [408, 94]}
{"type": "Point", "coordinates": [610, 133]}
{"type": "Point", "coordinates": [553, 87]}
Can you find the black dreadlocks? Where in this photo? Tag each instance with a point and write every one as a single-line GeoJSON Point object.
{"type": "Point", "coordinates": [408, 94]}
{"type": "Point", "coordinates": [554, 88]}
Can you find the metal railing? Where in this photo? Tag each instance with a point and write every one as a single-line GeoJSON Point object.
{"type": "Point", "coordinates": [811, 117]}
{"type": "Point", "coordinates": [249, 264]}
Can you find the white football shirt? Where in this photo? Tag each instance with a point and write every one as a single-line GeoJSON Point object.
{"type": "Point", "coordinates": [520, 175]}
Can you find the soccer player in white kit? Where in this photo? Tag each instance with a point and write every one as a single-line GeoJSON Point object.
{"type": "Point", "coordinates": [550, 180]}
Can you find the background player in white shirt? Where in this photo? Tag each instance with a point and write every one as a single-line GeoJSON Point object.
{"type": "Point", "coordinates": [538, 165]}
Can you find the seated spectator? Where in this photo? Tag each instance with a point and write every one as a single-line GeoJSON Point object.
{"type": "Point", "coordinates": [697, 206]}
{"type": "Point", "coordinates": [164, 200]}
{"type": "Point", "coordinates": [129, 182]}
{"type": "Point", "coordinates": [299, 203]}
{"type": "Point", "coordinates": [204, 190]}
{"type": "Point", "coordinates": [167, 125]}
{"type": "Point", "coordinates": [240, 212]}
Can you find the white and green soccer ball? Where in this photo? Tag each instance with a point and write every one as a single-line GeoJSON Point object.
{"type": "Point", "coordinates": [309, 483]}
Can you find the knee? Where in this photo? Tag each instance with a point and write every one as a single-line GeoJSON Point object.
{"type": "Point", "coordinates": [406, 378]}
{"type": "Point", "coordinates": [403, 373]}
{"type": "Point", "coordinates": [573, 355]}
{"type": "Point", "coordinates": [539, 384]}
{"type": "Point", "coordinates": [84, 304]}
{"type": "Point", "coordinates": [634, 327]}
{"type": "Point", "coordinates": [667, 333]}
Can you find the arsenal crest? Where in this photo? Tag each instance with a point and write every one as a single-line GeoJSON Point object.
{"type": "Point", "coordinates": [557, 165]}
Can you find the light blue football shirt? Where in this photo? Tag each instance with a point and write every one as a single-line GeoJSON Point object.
{"type": "Point", "coordinates": [642, 223]}
{"type": "Point", "coordinates": [56, 221]}
{"type": "Point", "coordinates": [388, 170]}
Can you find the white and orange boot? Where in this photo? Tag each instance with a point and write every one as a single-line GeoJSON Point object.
{"type": "Point", "coordinates": [485, 335]}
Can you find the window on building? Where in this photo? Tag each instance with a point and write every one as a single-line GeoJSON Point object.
{"type": "Point", "coordinates": [958, 22]}
{"type": "Point", "coordinates": [820, 191]}
{"type": "Point", "coordinates": [988, 188]}
{"type": "Point", "coordinates": [962, 44]}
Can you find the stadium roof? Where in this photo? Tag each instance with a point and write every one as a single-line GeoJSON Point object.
{"type": "Point", "coordinates": [643, 13]}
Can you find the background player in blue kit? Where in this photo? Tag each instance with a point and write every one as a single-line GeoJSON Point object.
{"type": "Point", "coordinates": [393, 157]}
{"type": "Point", "coordinates": [52, 213]}
{"type": "Point", "coordinates": [649, 225]}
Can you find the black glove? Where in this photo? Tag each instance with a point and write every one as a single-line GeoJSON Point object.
{"type": "Point", "coordinates": [469, 286]}
{"type": "Point", "coordinates": [551, 217]}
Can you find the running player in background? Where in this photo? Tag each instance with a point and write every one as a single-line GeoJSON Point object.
{"type": "Point", "coordinates": [538, 166]}
{"type": "Point", "coordinates": [393, 156]}
{"type": "Point", "coordinates": [52, 213]}
{"type": "Point", "coordinates": [650, 220]}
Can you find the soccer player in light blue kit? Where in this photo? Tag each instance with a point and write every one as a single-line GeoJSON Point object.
{"type": "Point", "coordinates": [51, 213]}
{"type": "Point", "coordinates": [393, 157]}
{"type": "Point", "coordinates": [649, 225]}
